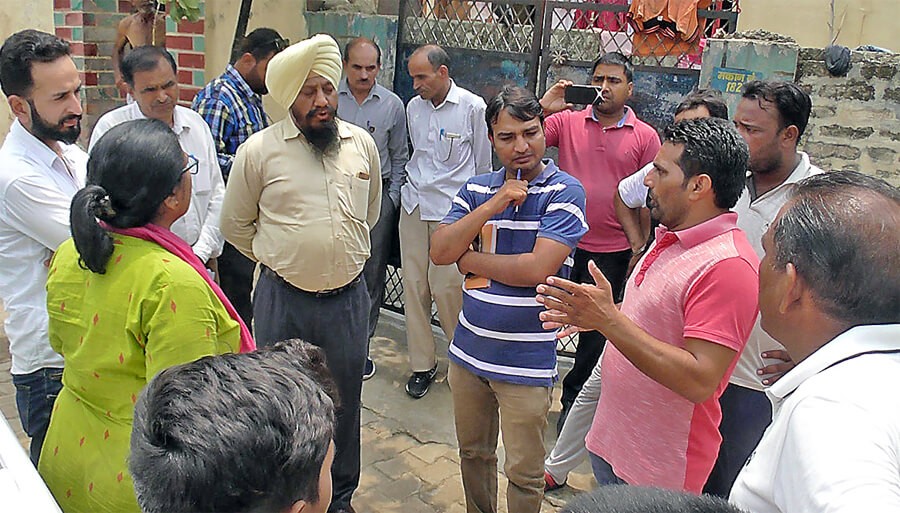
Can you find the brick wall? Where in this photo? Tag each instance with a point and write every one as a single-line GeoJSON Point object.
{"type": "Point", "coordinates": [855, 122]}
{"type": "Point", "coordinates": [90, 26]}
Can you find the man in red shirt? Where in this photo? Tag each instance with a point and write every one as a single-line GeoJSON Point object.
{"type": "Point", "coordinates": [688, 310]}
{"type": "Point", "coordinates": [599, 146]}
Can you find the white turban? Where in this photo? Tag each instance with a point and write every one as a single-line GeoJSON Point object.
{"type": "Point", "coordinates": [289, 69]}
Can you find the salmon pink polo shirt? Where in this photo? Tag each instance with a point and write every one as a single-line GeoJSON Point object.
{"type": "Point", "coordinates": [600, 157]}
{"type": "Point", "coordinates": [701, 283]}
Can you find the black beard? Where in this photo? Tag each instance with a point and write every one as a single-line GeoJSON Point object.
{"type": "Point", "coordinates": [47, 132]}
{"type": "Point", "coordinates": [323, 137]}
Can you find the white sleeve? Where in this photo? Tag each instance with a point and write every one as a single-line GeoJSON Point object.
{"type": "Point", "coordinates": [632, 189]}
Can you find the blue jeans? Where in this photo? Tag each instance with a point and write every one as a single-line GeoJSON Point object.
{"type": "Point", "coordinates": [603, 472]}
{"type": "Point", "coordinates": [35, 395]}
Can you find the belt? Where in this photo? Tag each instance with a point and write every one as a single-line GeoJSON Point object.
{"type": "Point", "coordinates": [321, 293]}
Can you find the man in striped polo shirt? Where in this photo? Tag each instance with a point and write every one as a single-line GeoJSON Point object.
{"type": "Point", "coordinates": [526, 219]}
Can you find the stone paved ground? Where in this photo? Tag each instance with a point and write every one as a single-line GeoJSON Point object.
{"type": "Point", "coordinates": [410, 462]}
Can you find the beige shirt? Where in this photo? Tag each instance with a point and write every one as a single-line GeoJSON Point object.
{"type": "Point", "coordinates": [304, 215]}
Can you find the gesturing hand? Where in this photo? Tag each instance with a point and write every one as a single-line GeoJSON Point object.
{"type": "Point", "coordinates": [577, 307]}
{"type": "Point", "coordinates": [775, 369]}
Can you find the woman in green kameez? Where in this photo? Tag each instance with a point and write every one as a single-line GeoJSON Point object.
{"type": "Point", "coordinates": [127, 299]}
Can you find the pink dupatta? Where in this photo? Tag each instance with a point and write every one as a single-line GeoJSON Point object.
{"type": "Point", "coordinates": [173, 244]}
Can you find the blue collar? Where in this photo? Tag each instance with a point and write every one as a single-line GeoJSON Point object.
{"type": "Point", "coordinates": [499, 176]}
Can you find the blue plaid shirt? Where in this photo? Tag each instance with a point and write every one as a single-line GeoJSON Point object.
{"type": "Point", "coordinates": [233, 112]}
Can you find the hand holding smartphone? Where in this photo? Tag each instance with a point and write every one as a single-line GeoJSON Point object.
{"type": "Point", "coordinates": [581, 94]}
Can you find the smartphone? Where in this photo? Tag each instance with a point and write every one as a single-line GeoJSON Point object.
{"type": "Point", "coordinates": [582, 95]}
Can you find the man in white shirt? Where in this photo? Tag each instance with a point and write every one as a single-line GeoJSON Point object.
{"type": "Point", "coordinates": [150, 73]}
{"type": "Point", "coordinates": [450, 145]}
{"type": "Point", "coordinates": [830, 293]}
{"type": "Point", "coordinates": [40, 170]}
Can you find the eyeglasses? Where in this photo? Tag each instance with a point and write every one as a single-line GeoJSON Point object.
{"type": "Point", "coordinates": [192, 167]}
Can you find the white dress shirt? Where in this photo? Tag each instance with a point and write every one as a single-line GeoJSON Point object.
{"type": "Point", "coordinates": [834, 442]}
{"type": "Point", "coordinates": [36, 189]}
{"type": "Point", "coordinates": [450, 145]}
{"type": "Point", "coordinates": [632, 190]}
{"type": "Point", "coordinates": [754, 218]}
{"type": "Point", "coordinates": [199, 227]}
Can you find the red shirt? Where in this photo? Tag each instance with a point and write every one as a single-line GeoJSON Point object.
{"type": "Point", "coordinates": [699, 283]}
{"type": "Point", "coordinates": [601, 157]}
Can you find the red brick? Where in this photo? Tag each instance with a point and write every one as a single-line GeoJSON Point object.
{"type": "Point", "coordinates": [125, 6]}
{"type": "Point", "coordinates": [185, 77]}
{"type": "Point", "coordinates": [74, 19]}
{"type": "Point", "coordinates": [180, 42]}
{"type": "Point", "coordinates": [191, 60]}
{"type": "Point", "coordinates": [191, 27]}
{"type": "Point", "coordinates": [77, 48]}
{"type": "Point", "coordinates": [90, 79]}
{"type": "Point", "coordinates": [64, 33]}
{"type": "Point", "coordinates": [62, 5]}
{"type": "Point", "coordinates": [90, 49]}
{"type": "Point", "coordinates": [186, 94]}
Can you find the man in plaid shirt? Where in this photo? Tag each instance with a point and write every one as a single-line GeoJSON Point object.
{"type": "Point", "coordinates": [232, 107]}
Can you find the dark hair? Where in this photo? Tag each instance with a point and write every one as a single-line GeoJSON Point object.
{"type": "Point", "coordinates": [615, 59]}
{"type": "Point", "coordinates": [260, 43]}
{"type": "Point", "coordinates": [436, 55]}
{"type": "Point", "coordinates": [709, 98]}
{"type": "Point", "coordinates": [712, 147]}
{"type": "Point", "coordinates": [519, 102]}
{"type": "Point", "coordinates": [362, 41]}
{"type": "Point", "coordinates": [20, 51]}
{"type": "Point", "coordinates": [131, 170]}
{"type": "Point", "coordinates": [840, 230]}
{"type": "Point", "coordinates": [236, 432]}
{"type": "Point", "coordinates": [637, 499]}
{"type": "Point", "coordinates": [791, 102]}
{"type": "Point", "coordinates": [145, 58]}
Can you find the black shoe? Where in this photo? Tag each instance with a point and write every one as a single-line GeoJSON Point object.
{"type": "Point", "coordinates": [369, 369]}
{"type": "Point", "coordinates": [419, 382]}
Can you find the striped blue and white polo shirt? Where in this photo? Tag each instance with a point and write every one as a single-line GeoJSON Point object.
{"type": "Point", "coordinates": [499, 335]}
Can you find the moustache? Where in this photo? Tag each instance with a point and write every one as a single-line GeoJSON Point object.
{"type": "Point", "coordinates": [327, 110]}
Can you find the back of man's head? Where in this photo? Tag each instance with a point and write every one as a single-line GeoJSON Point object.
{"type": "Point", "coordinates": [20, 51]}
{"type": "Point", "coordinates": [260, 43]}
{"type": "Point", "coordinates": [636, 499]}
{"type": "Point", "coordinates": [239, 432]}
{"type": "Point", "coordinates": [792, 103]}
{"type": "Point", "coordinates": [708, 98]}
{"type": "Point", "coordinates": [840, 231]}
{"type": "Point", "coordinates": [712, 146]}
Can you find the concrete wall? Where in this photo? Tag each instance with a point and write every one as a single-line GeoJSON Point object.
{"type": "Point", "coordinates": [285, 16]}
{"type": "Point", "coordinates": [16, 15]}
{"type": "Point", "coordinates": [855, 122]}
{"type": "Point", "coordinates": [872, 22]}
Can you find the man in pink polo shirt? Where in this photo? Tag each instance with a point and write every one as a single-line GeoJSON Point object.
{"type": "Point", "coordinates": [688, 310]}
{"type": "Point", "coordinates": [600, 146]}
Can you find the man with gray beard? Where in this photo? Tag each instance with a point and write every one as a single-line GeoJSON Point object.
{"type": "Point", "coordinates": [301, 200]}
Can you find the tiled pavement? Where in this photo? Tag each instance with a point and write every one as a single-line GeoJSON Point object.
{"type": "Point", "coordinates": [410, 462]}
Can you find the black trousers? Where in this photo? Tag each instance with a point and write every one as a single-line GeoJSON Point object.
{"type": "Point", "coordinates": [236, 280]}
{"type": "Point", "coordinates": [339, 325]}
{"type": "Point", "coordinates": [590, 343]}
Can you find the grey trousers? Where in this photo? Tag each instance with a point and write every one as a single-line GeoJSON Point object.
{"type": "Point", "coordinates": [338, 324]}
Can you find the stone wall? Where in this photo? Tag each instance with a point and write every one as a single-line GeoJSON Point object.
{"type": "Point", "coordinates": [855, 122]}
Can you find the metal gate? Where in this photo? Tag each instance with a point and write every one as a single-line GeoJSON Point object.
{"type": "Point", "coordinates": [491, 44]}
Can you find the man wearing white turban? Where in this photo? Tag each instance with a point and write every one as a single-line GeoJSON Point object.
{"type": "Point", "coordinates": [300, 201]}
